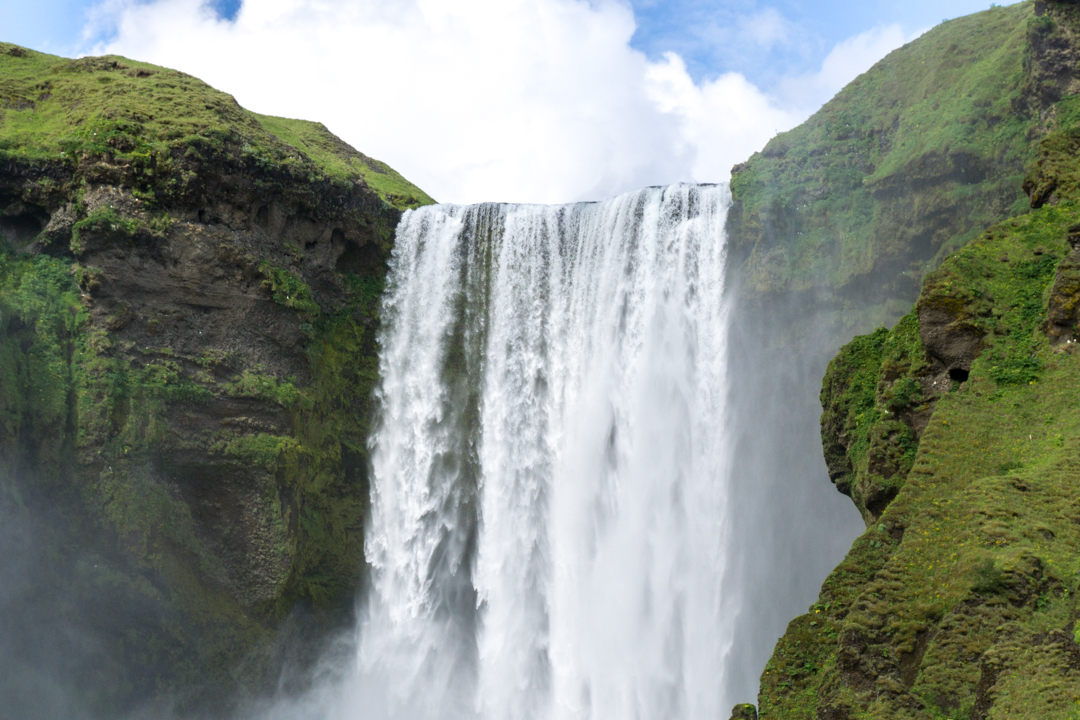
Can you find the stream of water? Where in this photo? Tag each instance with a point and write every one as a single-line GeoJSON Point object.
{"type": "Point", "coordinates": [549, 510]}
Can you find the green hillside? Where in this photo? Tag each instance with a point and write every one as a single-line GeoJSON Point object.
{"type": "Point", "coordinates": [956, 432]}
{"type": "Point", "coordinates": [907, 163]}
{"type": "Point", "coordinates": [158, 121]}
{"type": "Point", "coordinates": [189, 300]}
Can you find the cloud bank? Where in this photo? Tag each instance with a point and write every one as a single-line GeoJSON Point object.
{"type": "Point", "coordinates": [475, 100]}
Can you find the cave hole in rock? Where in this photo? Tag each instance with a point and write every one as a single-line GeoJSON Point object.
{"type": "Point", "coordinates": [879, 500]}
{"type": "Point", "coordinates": [262, 217]}
{"type": "Point", "coordinates": [958, 374]}
{"type": "Point", "coordinates": [359, 259]}
{"type": "Point", "coordinates": [22, 227]}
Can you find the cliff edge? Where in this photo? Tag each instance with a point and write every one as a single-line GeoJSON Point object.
{"type": "Point", "coordinates": [188, 306]}
{"type": "Point", "coordinates": [956, 434]}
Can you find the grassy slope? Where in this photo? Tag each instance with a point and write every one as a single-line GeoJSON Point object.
{"type": "Point", "coordinates": [908, 162]}
{"type": "Point", "coordinates": [51, 108]}
{"type": "Point", "coordinates": [959, 601]}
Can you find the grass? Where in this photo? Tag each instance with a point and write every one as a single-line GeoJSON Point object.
{"type": "Point", "coordinates": [157, 122]}
{"type": "Point", "coordinates": [287, 288]}
{"type": "Point", "coordinates": [959, 600]}
{"type": "Point", "coordinates": [906, 164]}
{"type": "Point", "coordinates": [99, 423]}
{"type": "Point", "coordinates": [93, 419]}
{"type": "Point", "coordinates": [987, 515]}
{"type": "Point", "coordinates": [342, 162]}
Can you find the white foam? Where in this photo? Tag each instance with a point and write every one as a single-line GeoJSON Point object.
{"type": "Point", "coordinates": [550, 467]}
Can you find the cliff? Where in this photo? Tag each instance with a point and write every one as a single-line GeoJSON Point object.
{"type": "Point", "coordinates": [955, 433]}
{"type": "Point", "coordinates": [906, 164]}
{"type": "Point", "coordinates": [834, 226]}
{"type": "Point", "coordinates": [188, 307]}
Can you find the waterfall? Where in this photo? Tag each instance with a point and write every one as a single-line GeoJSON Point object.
{"type": "Point", "coordinates": [547, 535]}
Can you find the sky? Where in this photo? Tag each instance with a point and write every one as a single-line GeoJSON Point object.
{"type": "Point", "coordinates": [510, 100]}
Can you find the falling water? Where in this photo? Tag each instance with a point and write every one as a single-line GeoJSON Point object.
{"type": "Point", "coordinates": [547, 536]}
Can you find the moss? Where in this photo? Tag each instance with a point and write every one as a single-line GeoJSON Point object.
{"type": "Point", "coordinates": [223, 493]}
{"type": "Point", "coordinates": [872, 393]}
{"type": "Point", "coordinates": [340, 161]}
{"type": "Point", "coordinates": [257, 384]}
{"type": "Point", "coordinates": [103, 220]}
{"type": "Point", "coordinates": [259, 450]}
{"type": "Point", "coordinates": [959, 600]}
{"type": "Point", "coordinates": [287, 288]}
{"type": "Point", "coordinates": [906, 164]}
{"type": "Point", "coordinates": [158, 123]}
{"type": "Point", "coordinates": [328, 470]}
{"type": "Point", "coordinates": [62, 392]}
{"type": "Point", "coordinates": [40, 317]}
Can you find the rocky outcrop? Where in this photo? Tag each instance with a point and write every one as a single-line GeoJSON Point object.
{"type": "Point", "coordinates": [1063, 305]}
{"type": "Point", "coordinates": [188, 307]}
{"type": "Point", "coordinates": [834, 228]}
{"type": "Point", "coordinates": [958, 600]}
{"type": "Point", "coordinates": [906, 164]}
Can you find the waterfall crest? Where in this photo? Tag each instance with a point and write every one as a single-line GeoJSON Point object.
{"type": "Point", "coordinates": [548, 533]}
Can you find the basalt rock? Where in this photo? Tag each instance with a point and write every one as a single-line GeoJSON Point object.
{"type": "Point", "coordinates": [188, 306]}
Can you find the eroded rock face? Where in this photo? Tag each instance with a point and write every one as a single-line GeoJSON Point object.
{"type": "Point", "coordinates": [205, 466]}
{"type": "Point", "coordinates": [878, 395]}
{"type": "Point", "coordinates": [1063, 305]}
{"type": "Point", "coordinates": [951, 340]}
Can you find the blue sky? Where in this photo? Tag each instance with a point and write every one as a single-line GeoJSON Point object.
{"type": "Point", "coordinates": [510, 100]}
{"type": "Point", "coordinates": [712, 36]}
{"type": "Point", "coordinates": [705, 32]}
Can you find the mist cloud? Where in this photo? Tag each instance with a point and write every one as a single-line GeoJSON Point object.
{"type": "Point", "coordinates": [502, 100]}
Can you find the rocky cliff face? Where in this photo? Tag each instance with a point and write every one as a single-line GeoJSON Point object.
{"type": "Point", "coordinates": [188, 306]}
{"type": "Point", "coordinates": [955, 434]}
{"type": "Point", "coordinates": [835, 224]}
{"type": "Point", "coordinates": [908, 163]}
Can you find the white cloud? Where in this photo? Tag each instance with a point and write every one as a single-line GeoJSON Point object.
{"type": "Point", "coordinates": [512, 100]}
{"type": "Point", "coordinates": [766, 28]}
{"type": "Point", "coordinates": [723, 120]}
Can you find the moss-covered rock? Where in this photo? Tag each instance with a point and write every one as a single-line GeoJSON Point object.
{"type": "Point", "coordinates": [188, 306]}
{"type": "Point", "coordinates": [835, 225]}
{"type": "Point", "coordinates": [906, 164]}
{"type": "Point", "coordinates": [959, 599]}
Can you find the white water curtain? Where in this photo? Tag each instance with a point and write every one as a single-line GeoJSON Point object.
{"type": "Point", "coordinates": [548, 528]}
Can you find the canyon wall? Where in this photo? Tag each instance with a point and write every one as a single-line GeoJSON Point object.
{"type": "Point", "coordinates": [188, 307]}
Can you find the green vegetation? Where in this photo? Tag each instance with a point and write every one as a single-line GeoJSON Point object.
{"type": "Point", "coordinates": [957, 593]}
{"type": "Point", "coordinates": [959, 601]}
{"type": "Point", "coordinates": [157, 127]}
{"type": "Point", "coordinates": [906, 164]}
{"type": "Point", "coordinates": [287, 289]}
{"type": "Point", "coordinates": [72, 402]}
{"type": "Point", "coordinates": [61, 395]}
{"type": "Point", "coordinates": [40, 316]}
{"type": "Point", "coordinates": [340, 161]}
{"type": "Point", "coordinates": [104, 221]}
{"type": "Point", "coordinates": [206, 489]}
{"type": "Point", "coordinates": [872, 393]}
